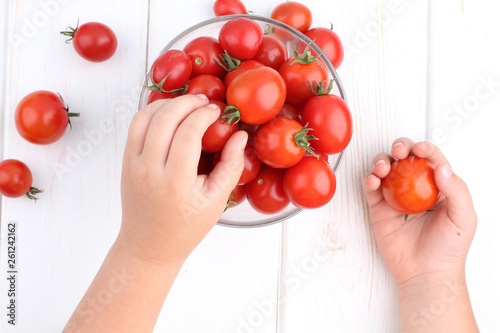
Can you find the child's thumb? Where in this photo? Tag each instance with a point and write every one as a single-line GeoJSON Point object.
{"type": "Point", "coordinates": [458, 198]}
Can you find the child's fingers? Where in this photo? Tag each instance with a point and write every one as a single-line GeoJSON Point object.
{"type": "Point", "coordinates": [382, 164]}
{"type": "Point", "coordinates": [458, 198]}
{"type": "Point", "coordinates": [185, 150]}
{"type": "Point", "coordinates": [401, 148]}
{"type": "Point", "coordinates": [227, 172]}
{"type": "Point", "coordinates": [429, 151]}
{"type": "Point", "coordinates": [164, 124]}
{"type": "Point", "coordinates": [373, 191]}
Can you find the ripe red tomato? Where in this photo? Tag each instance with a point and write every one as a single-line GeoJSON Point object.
{"type": "Point", "coordinates": [310, 184]}
{"type": "Point", "coordinates": [258, 95]}
{"type": "Point", "coordinates": [93, 41]}
{"type": "Point", "coordinates": [410, 188]}
{"type": "Point", "coordinates": [155, 95]}
{"type": "Point", "coordinates": [203, 51]}
{"type": "Point", "coordinates": [331, 120]}
{"type": "Point", "coordinates": [250, 129]}
{"type": "Point", "coordinates": [241, 38]}
{"type": "Point", "coordinates": [265, 193]}
{"type": "Point", "coordinates": [294, 14]}
{"type": "Point", "coordinates": [272, 52]}
{"type": "Point", "coordinates": [229, 7]}
{"type": "Point", "coordinates": [209, 85]}
{"type": "Point", "coordinates": [248, 64]}
{"type": "Point", "coordinates": [289, 111]}
{"type": "Point", "coordinates": [237, 196]}
{"type": "Point", "coordinates": [42, 118]}
{"type": "Point", "coordinates": [329, 42]}
{"type": "Point", "coordinates": [16, 180]}
{"type": "Point", "coordinates": [281, 143]}
{"type": "Point", "coordinates": [170, 71]}
{"type": "Point", "coordinates": [218, 133]}
{"type": "Point", "coordinates": [298, 72]}
{"type": "Point", "coordinates": [252, 166]}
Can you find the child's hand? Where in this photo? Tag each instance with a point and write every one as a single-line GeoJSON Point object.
{"type": "Point", "coordinates": [431, 243]}
{"type": "Point", "coordinates": [167, 208]}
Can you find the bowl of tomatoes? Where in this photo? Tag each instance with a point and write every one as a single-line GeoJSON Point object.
{"type": "Point", "coordinates": [272, 81]}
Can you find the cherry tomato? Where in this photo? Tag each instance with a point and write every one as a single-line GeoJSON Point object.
{"type": "Point", "coordinates": [237, 196]}
{"type": "Point", "coordinates": [257, 94]}
{"type": "Point", "coordinates": [229, 7]}
{"type": "Point", "coordinates": [209, 85]}
{"type": "Point", "coordinates": [265, 193]}
{"type": "Point", "coordinates": [310, 184]}
{"type": "Point", "coordinates": [331, 120]}
{"type": "Point", "coordinates": [205, 165]}
{"type": "Point", "coordinates": [329, 42]}
{"type": "Point", "coordinates": [250, 129]}
{"type": "Point", "coordinates": [252, 166]}
{"type": "Point", "coordinates": [289, 111]}
{"type": "Point", "coordinates": [281, 143]}
{"type": "Point", "coordinates": [155, 95]}
{"type": "Point", "coordinates": [248, 64]}
{"type": "Point", "coordinates": [16, 180]}
{"type": "Point", "coordinates": [410, 188]}
{"type": "Point", "coordinates": [93, 41]}
{"type": "Point", "coordinates": [170, 71]}
{"type": "Point", "coordinates": [272, 52]}
{"type": "Point", "coordinates": [218, 133]}
{"type": "Point", "coordinates": [203, 51]}
{"type": "Point", "coordinates": [298, 72]}
{"type": "Point", "coordinates": [42, 118]}
{"type": "Point", "coordinates": [241, 38]}
{"type": "Point", "coordinates": [294, 14]}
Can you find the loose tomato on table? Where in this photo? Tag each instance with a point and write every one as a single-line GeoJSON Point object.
{"type": "Point", "coordinates": [265, 193]}
{"type": "Point", "coordinates": [218, 133]}
{"type": "Point", "coordinates": [203, 51]}
{"type": "Point", "coordinates": [310, 184]}
{"type": "Point", "coordinates": [294, 14]}
{"type": "Point", "coordinates": [272, 52]}
{"type": "Point", "coordinates": [282, 142]}
{"type": "Point", "coordinates": [241, 38]}
{"type": "Point", "coordinates": [410, 188]}
{"type": "Point", "coordinates": [170, 71]}
{"type": "Point", "coordinates": [229, 7]}
{"type": "Point", "coordinates": [42, 118]}
{"type": "Point", "coordinates": [208, 85]}
{"type": "Point", "coordinates": [331, 120]}
{"type": "Point", "coordinates": [255, 96]}
{"type": "Point", "coordinates": [16, 180]}
{"type": "Point", "coordinates": [328, 41]}
{"type": "Point", "coordinates": [93, 41]}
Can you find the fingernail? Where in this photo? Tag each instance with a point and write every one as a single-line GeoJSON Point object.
{"type": "Point", "coordinates": [446, 171]}
{"type": "Point", "coordinates": [380, 162]}
{"type": "Point", "coordinates": [244, 142]}
{"type": "Point", "coordinates": [397, 144]}
{"type": "Point", "coordinates": [212, 106]}
{"type": "Point", "coordinates": [202, 96]}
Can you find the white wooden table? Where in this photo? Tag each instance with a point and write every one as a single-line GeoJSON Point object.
{"type": "Point", "coordinates": [410, 68]}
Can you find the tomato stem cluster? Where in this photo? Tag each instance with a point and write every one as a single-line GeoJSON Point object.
{"type": "Point", "coordinates": [302, 140]}
{"type": "Point", "coordinates": [32, 192]}
{"type": "Point", "coordinates": [306, 56]}
{"type": "Point", "coordinates": [230, 114]}
{"type": "Point", "coordinates": [70, 32]}
{"type": "Point", "coordinates": [320, 87]}
{"type": "Point", "coordinates": [227, 62]}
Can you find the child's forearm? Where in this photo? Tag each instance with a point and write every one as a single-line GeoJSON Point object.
{"type": "Point", "coordinates": [126, 295]}
{"type": "Point", "coordinates": [437, 303]}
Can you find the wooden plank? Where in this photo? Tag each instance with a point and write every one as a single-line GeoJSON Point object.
{"type": "Point", "coordinates": [337, 280]}
{"type": "Point", "coordinates": [63, 238]}
{"type": "Point", "coordinates": [466, 99]}
{"type": "Point", "coordinates": [233, 273]}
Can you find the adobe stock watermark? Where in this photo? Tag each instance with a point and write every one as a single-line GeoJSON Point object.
{"type": "Point", "coordinates": [30, 27]}
{"type": "Point", "coordinates": [93, 138]}
{"type": "Point", "coordinates": [454, 117]}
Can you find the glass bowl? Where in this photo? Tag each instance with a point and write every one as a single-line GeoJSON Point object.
{"type": "Point", "coordinates": [243, 215]}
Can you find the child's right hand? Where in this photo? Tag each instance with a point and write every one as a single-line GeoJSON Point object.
{"type": "Point", "coordinates": [430, 244]}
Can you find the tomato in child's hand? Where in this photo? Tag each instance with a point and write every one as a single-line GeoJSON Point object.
{"type": "Point", "coordinates": [410, 188]}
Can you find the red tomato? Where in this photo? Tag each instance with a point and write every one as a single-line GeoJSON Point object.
{"type": "Point", "coordinates": [155, 95]}
{"type": "Point", "coordinates": [203, 51]}
{"type": "Point", "coordinates": [289, 111]}
{"type": "Point", "coordinates": [329, 42]}
{"type": "Point", "coordinates": [252, 166]}
{"type": "Point", "coordinates": [331, 120]}
{"type": "Point", "coordinates": [42, 118]}
{"type": "Point", "coordinates": [218, 133]}
{"type": "Point", "coordinates": [265, 193]}
{"type": "Point", "coordinates": [281, 143]}
{"type": "Point", "coordinates": [310, 184]}
{"type": "Point", "coordinates": [93, 41]}
{"type": "Point", "coordinates": [16, 180]}
{"type": "Point", "coordinates": [229, 7]}
{"type": "Point", "coordinates": [258, 95]}
{"type": "Point", "coordinates": [294, 14]}
{"type": "Point", "coordinates": [241, 38]}
{"type": "Point", "coordinates": [245, 65]}
{"type": "Point", "coordinates": [237, 196]}
{"type": "Point", "coordinates": [272, 52]}
{"type": "Point", "coordinates": [205, 165]}
{"type": "Point", "coordinates": [209, 85]}
{"type": "Point", "coordinates": [410, 188]}
{"type": "Point", "coordinates": [298, 73]}
{"type": "Point", "coordinates": [170, 71]}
